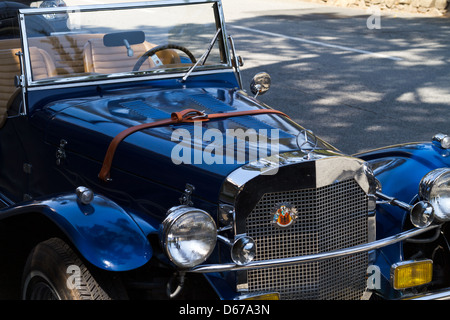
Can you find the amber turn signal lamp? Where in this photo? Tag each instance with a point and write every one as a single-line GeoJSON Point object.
{"type": "Point", "coordinates": [411, 273]}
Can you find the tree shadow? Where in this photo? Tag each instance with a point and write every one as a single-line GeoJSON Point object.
{"type": "Point", "coordinates": [354, 101]}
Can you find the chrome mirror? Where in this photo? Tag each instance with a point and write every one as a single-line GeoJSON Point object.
{"type": "Point", "coordinates": [260, 83]}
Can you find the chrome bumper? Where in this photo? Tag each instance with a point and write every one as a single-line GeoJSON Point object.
{"type": "Point", "coordinates": [443, 294]}
{"type": "Point", "coordinates": [314, 257]}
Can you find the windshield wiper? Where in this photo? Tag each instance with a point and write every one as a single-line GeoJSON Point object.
{"type": "Point", "coordinates": [203, 58]}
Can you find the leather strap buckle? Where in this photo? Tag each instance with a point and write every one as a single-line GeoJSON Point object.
{"type": "Point", "coordinates": [189, 115]}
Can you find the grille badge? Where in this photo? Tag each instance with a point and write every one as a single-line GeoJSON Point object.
{"type": "Point", "coordinates": [284, 215]}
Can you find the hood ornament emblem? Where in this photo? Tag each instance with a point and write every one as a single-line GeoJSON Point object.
{"type": "Point", "coordinates": [284, 215]}
{"type": "Point", "coordinates": [309, 144]}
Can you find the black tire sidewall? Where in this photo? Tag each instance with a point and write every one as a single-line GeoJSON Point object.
{"type": "Point", "coordinates": [49, 262]}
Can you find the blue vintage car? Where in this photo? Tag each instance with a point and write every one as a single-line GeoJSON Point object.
{"type": "Point", "coordinates": [135, 165]}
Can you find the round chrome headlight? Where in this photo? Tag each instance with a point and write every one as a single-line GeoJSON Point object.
{"type": "Point", "coordinates": [435, 188]}
{"type": "Point", "coordinates": [188, 236]}
{"type": "Point", "coordinates": [243, 250]}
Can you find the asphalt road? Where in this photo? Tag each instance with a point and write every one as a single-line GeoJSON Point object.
{"type": "Point", "coordinates": [356, 87]}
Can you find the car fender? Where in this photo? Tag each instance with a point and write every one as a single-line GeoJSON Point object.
{"type": "Point", "coordinates": [103, 232]}
{"type": "Point", "coordinates": [400, 169]}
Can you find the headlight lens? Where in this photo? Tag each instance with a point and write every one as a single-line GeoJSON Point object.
{"type": "Point", "coordinates": [435, 188]}
{"type": "Point", "coordinates": [188, 236]}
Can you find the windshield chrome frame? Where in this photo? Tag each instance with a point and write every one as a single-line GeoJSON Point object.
{"type": "Point", "coordinates": [127, 76]}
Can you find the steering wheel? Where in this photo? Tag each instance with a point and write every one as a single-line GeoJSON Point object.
{"type": "Point", "coordinates": [154, 50]}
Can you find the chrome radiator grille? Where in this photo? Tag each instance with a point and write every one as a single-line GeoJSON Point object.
{"type": "Point", "coordinates": [329, 218]}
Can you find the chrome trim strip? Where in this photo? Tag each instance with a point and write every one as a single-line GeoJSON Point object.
{"type": "Point", "coordinates": [372, 226]}
{"type": "Point", "coordinates": [313, 257]}
{"type": "Point", "coordinates": [130, 5]}
{"type": "Point", "coordinates": [224, 32]}
{"type": "Point", "coordinates": [344, 167]}
{"type": "Point", "coordinates": [25, 63]}
{"type": "Point", "coordinates": [236, 62]}
{"type": "Point", "coordinates": [119, 80]}
{"type": "Point", "coordinates": [443, 294]}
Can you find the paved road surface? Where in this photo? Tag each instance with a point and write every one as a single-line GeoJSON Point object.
{"type": "Point", "coordinates": [358, 88]}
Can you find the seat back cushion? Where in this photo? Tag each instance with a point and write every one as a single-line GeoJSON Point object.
{"type": "Point", "coordinates": [101, 59]}
{"type": "Point", "coordinates": [42, 65]}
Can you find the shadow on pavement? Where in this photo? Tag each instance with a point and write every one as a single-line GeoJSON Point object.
{"type": "Point", "coordinates": [354, 101]}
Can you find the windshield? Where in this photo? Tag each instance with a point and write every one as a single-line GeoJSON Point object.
{"type": "Point", "coordinates": [129, 41]}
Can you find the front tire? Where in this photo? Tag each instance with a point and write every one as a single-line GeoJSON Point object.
{"type": "Point", "coordinates": [55, 272]}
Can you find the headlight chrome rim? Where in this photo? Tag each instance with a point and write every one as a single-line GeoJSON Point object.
{"type": "Point", "coordinates": [429, 191]}
{"type": "Point", "coordinates": [174, 216]}
{"type": "Point", "coordinates": [243, 250]}
{"type": "Point", "coordinates": [422, 214]}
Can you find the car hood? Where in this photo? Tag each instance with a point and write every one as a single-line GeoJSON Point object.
{"type": "Point", "coordinates": [88, 125]}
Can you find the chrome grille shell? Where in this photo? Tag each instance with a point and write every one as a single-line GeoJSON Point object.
{"type": "Point", "coordinates": [331, 194]}
{"type": "Point", "coordinates": [329, 218]}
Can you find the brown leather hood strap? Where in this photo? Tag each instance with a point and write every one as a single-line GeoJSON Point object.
{"type": "Point", "coordinates": [185, 116]}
